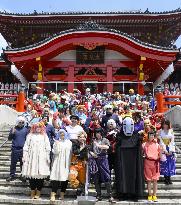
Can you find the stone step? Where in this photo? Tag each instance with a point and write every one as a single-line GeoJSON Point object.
{"type": "Point", "coordinates": [6, 169]}
{"type": "Point", "coordinates": [4, 175]}
{"type": "Point", "coordinates": [22, 199]}
{"type": "Point", "coordinates": [4, 157]}
{"type": "Point", "coordinates": [8, 190]}
{"type": "Point", "coordinates": [18, 183]}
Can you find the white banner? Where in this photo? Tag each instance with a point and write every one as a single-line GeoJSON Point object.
{"type": "Point", "coordinates": [167, 72]}
{"type": "Point", "coordinates": [18, 75]}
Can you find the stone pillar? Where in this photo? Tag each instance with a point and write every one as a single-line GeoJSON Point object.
{"type": "Point", "coordinates": [109, 79]}
{"type": "Point", "coordinates": [70, 78]}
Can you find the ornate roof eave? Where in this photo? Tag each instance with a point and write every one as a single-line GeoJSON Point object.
{"type": "Point", "coordinates": [91, 26]}
{"type": "Point", "coordinates": [82, 13]}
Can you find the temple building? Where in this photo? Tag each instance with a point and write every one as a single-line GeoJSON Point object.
{"type": "Point", "coordinates": [106, 51]}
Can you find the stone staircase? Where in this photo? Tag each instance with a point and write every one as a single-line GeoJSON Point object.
{"type": "Point", "coordinates": [16, 192]}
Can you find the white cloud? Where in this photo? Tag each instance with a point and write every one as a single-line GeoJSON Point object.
{"type": "Point", "coordinates": [3, 43]}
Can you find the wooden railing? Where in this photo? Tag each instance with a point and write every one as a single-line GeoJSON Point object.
{"type": "Point", "coordinates": [164, 100]}
{"type": "Point", "coordinates": [17, 101]}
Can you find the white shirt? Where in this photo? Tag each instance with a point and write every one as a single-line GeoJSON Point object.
{"type": "Point", "coordinates": [74, 131]}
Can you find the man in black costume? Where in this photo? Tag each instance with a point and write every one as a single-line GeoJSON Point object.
{"type": "Point", "coordinates": [129, 163]}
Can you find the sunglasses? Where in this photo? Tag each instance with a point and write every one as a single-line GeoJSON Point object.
{"type": "Point", "coordinates": [21, 122]}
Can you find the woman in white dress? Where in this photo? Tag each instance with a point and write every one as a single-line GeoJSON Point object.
{"type": "Point", "coordinates": [36, 158]}
{"type": "Point", "coordinates": [62, 149]}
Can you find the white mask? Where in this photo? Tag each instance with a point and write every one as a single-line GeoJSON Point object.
{"type": "Point", "coordinates": [128, 126]}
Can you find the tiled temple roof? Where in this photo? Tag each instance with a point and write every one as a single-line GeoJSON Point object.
{"type": "Point", "coordinates": [92, 26]}
{"type": "Point", "coordinates": [35, 13]}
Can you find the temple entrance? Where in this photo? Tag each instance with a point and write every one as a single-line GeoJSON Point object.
{"type": "Point", "coordinates": [94, 87]}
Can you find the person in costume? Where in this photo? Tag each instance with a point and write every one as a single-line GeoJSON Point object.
{"type": "Point", "coordinates": [138, 121]}
{"type": "Point", "coordinates": [17, 135]}
{"type": "Point", "coordinates": [36, 158]}
{"type": "Point", "coordinates": [62, 149]}
{"type": "Point", "coordinates": [109, 115]}
{"type": "Point", "coordinates": [77, 175]}
{"type": "Point", "coordinates": [168, 159]}
{"type": "Point", "coordinates": [147, 128]}
{"type": "Point", "coordinates": [98, 164]}
{"type": "Point", "coordinates": [81, 114]}
{"type": "Point", "coordinates": [152, 153]}
{"type": "Point", "coordinates": [111, 136]}
{"type": "Point", "coordinates": [74, 128]}
{"type": "Point", "coordinates": [129, 176]}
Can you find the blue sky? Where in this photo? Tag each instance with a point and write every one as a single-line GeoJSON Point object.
{"type": "Point", "coordinates": [26, 6]}
{"type": "Point", "coordinates": [87, 5]}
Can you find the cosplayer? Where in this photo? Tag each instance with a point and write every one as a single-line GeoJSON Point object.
{"type": "Point", "coordinates": [129, 163]}
{"type": "Point", "coordinates": [18, 136]}
{"type": "Point", "coordinates": [147, 128]}
{"type": "Point", "coordinates": [36, 158]}
{"type": "Point", "coordinates": [152, 151]}
{"type": "Point", "coordinates": [77, 175]}
{"type": "Point", "coordinates": [111, 136]}
{"type": "Point", "coordinates": [98, 164]}
{"type": "Point", "coordinates": [60, 170]}
{"type": "Point", "coordinates": [168, 159]}
{"type": "Point", "coordinates": [138, 121]}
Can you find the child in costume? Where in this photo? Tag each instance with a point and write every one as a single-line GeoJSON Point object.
{"type": "Point", "coordinates": [152, 153]}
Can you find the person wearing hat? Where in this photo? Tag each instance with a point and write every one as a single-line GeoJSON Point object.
{"type": "Point", "coordinates": [74, 129]}
{"type": "Point", "coordinates": [18, 136]}
{"type": "Point", "coordinates": [99, 163]}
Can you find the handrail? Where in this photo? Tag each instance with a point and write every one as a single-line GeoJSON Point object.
{"type": "Point", "coordinates": [162, 103]}
{"type": "Point", "coordinates": [3, 143]}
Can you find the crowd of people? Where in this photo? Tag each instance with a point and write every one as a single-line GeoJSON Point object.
{"type": "Point", "coordinates": [60, 136]}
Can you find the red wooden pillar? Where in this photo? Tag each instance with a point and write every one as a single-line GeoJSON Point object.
{"type": "Point", "coordinates": [141, 89]}
{"type": "Point", "coordinates": [21, 101]}
{"type": "Point", "coordinates": [70, 78]}
{"type": "Point", "coordinates": [109, 79]}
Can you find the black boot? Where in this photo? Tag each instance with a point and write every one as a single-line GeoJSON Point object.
{"type": "Point", "coordinates": [10, 178]}
{"type": "Point", "coordinates": [99, 198]}
{"type": "Point", "coordinates": [166, 180]}
{"type": "Point", "coordinates": [23, 179]}
{"type": "Point", "coordinates": [169, 180]}
{"type": "Point", "coordinates": [109, 192]}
